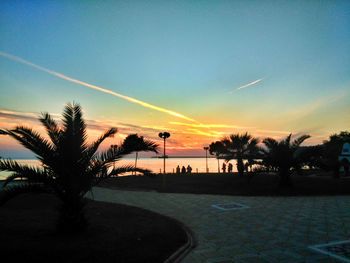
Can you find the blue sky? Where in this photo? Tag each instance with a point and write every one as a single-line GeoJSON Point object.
{"type": "Point", "coordinates": [186, 56]}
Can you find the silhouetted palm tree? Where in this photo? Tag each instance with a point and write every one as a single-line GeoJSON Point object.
{"type": "Point", "coordinates": [139, 144]}
{"type": "Point", "coordinates": [283, 156]}
{"type": "Point", "coordinates": [240, 146]}
{"type": "Point", "coordinates": [217, 148]}
{"type": "Point", "coordinates": [70, 166]}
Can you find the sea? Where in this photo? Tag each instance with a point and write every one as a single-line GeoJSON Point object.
{"type": "Point", "coordinates": [198, 164]}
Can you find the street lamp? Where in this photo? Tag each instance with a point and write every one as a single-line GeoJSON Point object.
{"type": "Point", "coordinates": [164, 135]}
{"type": "Point", "coordinates": [206, 148]}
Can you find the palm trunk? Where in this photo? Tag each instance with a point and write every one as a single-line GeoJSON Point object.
{"type": "Point", "coordinates": [72, 216]}
{"type": "Point", "coordinates": [136, 161]}
{"type": "Point", "coordinates": [285, 180]}
{"type": "Point", "coordinates": [240, 166]}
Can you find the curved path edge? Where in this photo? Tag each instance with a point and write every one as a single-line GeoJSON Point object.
{"type": "Point", "coordinates": [191, 243]}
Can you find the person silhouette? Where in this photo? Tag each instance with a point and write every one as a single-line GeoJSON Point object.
{"type": "Point", "coordinates": [224, 168]}
{"type": "Point", "coordinates": [178, 169]}
{"type": "Point", "coordinates": [183, 170]}
{"type": "Point", "coordinates": [230, 168]}
{"type": "Point", "coordinates": [189, 169]}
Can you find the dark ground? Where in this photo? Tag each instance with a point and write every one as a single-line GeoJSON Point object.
{"type": "Point", "coordinates": [117, 233]}
{"type": "Point", "coordinates": [258, 185]}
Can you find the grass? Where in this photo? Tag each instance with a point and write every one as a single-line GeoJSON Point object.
{"type": "Point", "coordinates": [117, 233]}
{"type": "Point", "coordinates": [258, 185]}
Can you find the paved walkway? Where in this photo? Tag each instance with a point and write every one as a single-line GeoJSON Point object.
{"type": "Point", "coordinates": [272, 229]}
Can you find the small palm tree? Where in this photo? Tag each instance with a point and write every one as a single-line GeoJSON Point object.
{"type": "Point", "coordinates": [283, 156]}
{"type": "Point", "coordinates": [139, 144]}
{"type": "Point", "coordinates": [240, 146]}
{"type": "Point", "coordinates": [217, 148]}
{"type": "Point", "coordinates": [70, 166]}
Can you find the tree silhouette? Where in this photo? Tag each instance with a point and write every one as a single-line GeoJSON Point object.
{"type": "Point", "coordinates": [240, 146]}
{"type": "Point", "coordinates": [218, 149]}
{"type": "Point", "coordinates": [70, 166]}
{"type": "Point", "coordinates": [139, 144]}
{"type": "Point", "coordinates": [332, 149]}
{"type": "Point", "coordinates": [283, 156]}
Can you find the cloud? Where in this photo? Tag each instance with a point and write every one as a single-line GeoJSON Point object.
{"type": "Point", "coordinates": [248, 85]}
{"type": "Point", "coordinates": [201, 125]}
{"type": "Point", "coordinates": [98, 88]}
{"type": "Point", "coordinates": [301, 112]}
{"type": "Point", "coordinates": [273, 131]}
{"type": "Point", "coordinates": [7, 114]}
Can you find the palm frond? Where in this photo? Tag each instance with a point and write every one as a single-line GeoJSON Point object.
{"type": "Point", "coordinates": [270, 143]}
{"type": "Point", "coordinates": [94, 146]}
{"type": "Point", "coordinates": [13, 166]}
{"type": "Point", "coordinates": [31, 176]}
{"type": "Point", "coordinates": [52, 128]}
{"type": "Point", "coordinates": [286, 141]}
{"type": "Point", "coordinates": [149, 146]}
{"type": "Point", "coordinates": [296, 143]}
{"type": "Point", "coordinates": [72, 147]}
{"type": "Point", "coordinates": [126, 169]}
{"type": "Point", "coordinates": [111, 155]}
{"type": "Point", "coordinates": [117, 171]}
{"type": "Point", "coordinates": [133, 142]}
{"type": "Point", "coordinates": [33, 141]}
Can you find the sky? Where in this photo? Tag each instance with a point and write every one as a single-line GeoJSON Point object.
{"type": "Point", "coordinates": [200, 70]}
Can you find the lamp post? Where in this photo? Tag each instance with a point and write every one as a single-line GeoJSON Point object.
{"type": "Point", "coordinates": [164, 135]}
{"type": "Point", "coordinates": [206, 148]}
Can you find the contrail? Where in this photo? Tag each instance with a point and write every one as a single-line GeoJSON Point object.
{"type": "Point", "coordinates": [249, 84]}
{"type": "Point", "coordinates": [76, 81]}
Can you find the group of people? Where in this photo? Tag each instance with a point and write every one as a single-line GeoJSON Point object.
{"type": "Point", "coordinates": [229, 168]}
{"type": "Point", "coordinates": [184, 170]}
{"type": "Point", "coordinates": [188, 170]}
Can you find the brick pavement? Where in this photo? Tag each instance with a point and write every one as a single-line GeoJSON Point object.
{"type": "Point", "coordinates": [272, 229]}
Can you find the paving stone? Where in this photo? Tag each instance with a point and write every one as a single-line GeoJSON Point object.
{"type": "Point", "coordinates": [272, 229]}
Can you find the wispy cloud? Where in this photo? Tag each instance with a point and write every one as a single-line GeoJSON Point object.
{"type": "Point", "coordinates": [314, 106]}
{"type": "Point", "coordinates": [273, 131]}
{"type": "Point", "coordinates": [248, 84]}
{"type": "Point", "coordinates": [98, 88]}
{"type": "Point", "coordinates": [201, 125]}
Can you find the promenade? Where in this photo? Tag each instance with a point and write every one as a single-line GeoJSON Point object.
{"type": "Point", "coordinates": [251, 229]}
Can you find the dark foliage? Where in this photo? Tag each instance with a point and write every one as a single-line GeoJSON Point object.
{"type": "Point", "coordinates": [139, 144]}
{"type": "Point", "coordinates": [283, 156]}
{"type": "Point", "coordinates": [240, 147]}
{"type": "Point", "coordinates": [70, 166]}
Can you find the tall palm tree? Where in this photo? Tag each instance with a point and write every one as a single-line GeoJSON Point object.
{"type": "Point", "coordinates": [217, 148]}
{"type": "Point", "coordinates": [240, 147]}
{"type": "Point", "coordinates": [139, 144]}
{"type": "Point", "coordinates": [70, 166]}
{"type": "Point", "coordinates": [283, 156]}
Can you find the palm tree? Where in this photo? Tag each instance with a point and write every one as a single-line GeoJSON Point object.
{"type": "Point", "coordinates": [217, 148]}
{"type": "Point", "coordinates": [70, 166]}
{"type": "Point", "coordinates": [138, 143]}
{"type": "Point", "coordinates": [240, 146]}
{"type": "Point", "coordinates": [283, 156]}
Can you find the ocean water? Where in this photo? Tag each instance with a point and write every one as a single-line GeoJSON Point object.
{"type": "Point", "coordinates": [155, 164]}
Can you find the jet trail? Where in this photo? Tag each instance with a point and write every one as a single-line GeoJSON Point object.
{"type": "Point", "coordinates": [248, 85]}
{"type": "Point", "coordinates": [76, 81]}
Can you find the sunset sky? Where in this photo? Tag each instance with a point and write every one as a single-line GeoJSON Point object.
{"type": "Point", "coordinates": [197, 69]}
